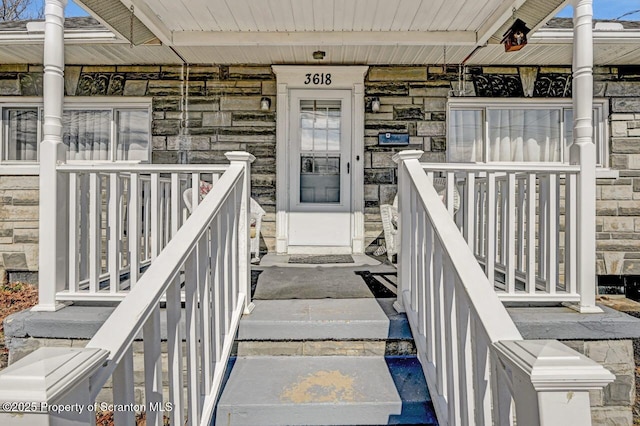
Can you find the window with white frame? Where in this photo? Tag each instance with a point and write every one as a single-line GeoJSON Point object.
{"type": "Point", "coordinates": [518, 130]}
{"type": "Point", "coordinates": [92, 131]}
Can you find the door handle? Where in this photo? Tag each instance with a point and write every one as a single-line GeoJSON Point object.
{"type": "Point", "coordinates": [348, 167]}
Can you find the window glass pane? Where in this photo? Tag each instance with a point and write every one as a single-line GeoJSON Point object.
{"type": "Point", "coordinates": [132, 135]}
{"type": "Point", "coordinates": [21, 138]}
{"type": "Point", "coordinates": [465, 135]}
{"type": "Point", "coordinates": [524, 134]}
{"type": "Point", "coordinates": [86, 133]}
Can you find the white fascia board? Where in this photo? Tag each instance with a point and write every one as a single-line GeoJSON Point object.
{"type": "Point", "coordinates": [565, 36]}
{"type": "Point", "coordinates": [24, 37]}
{"type": "Point", "coordinates": [323, 38]}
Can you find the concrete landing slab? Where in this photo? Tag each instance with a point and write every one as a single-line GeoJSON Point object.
{"type": "Point", "coordinates": [309, 391]}
{"type": "Point", "coordinates": [316, 319]}
{"type": "Point", "coordinates": [272, 259]}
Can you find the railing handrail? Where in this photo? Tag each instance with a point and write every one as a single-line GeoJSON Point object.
{"type": "Point", "coordinates": [141, 168]}
{"type": "Point", "coordinates": [127, 320]}
{"type": "Point", "coordinates": [483, 300]}
{"type": "Point", "coordinates": [502, 167]}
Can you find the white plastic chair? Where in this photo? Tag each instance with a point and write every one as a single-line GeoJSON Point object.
{"type": "Point", "coordinates": [389, 216]}
{"type": "Point", "coordinates": [256, 212]}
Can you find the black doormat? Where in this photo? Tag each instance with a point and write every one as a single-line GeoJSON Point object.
{"type": "Point", "coordinates": [317, 260]}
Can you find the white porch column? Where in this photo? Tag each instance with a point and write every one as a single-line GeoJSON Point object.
{"type": "Point", "coordinates": [54, 233]}
{"type": "Point", "coordinates": [244, 245]}
{"type": "Point", "coordinates": [404, 228]}
{"type": "Point", "coordinates": [583, 153]}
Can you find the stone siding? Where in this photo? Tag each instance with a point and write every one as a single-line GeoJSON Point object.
{"type": "Point", "coordinates": [18, 225]}
{"type": "Point", "coordinates": [221, 112]}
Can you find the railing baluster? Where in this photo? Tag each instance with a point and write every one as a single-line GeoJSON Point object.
{"type": "Point", "coordinates": [451, 182]}
{"type": "Point", "coordinates": [218, 283]}
{"type": "Point", "coordinates": [114, 233]}
{"type": "Point", "coordinates": [430, 282]}
{"type": "Point", "coordinates": [451, 341]}
{"type": "Point", "coordinates": [123, 389]}
{"type": "Point", "coordinates": [420, 269]}
{"type": "Point", "coordinates": [94, 232]}
{"type": "Point", "coordinates": [570, 229]}
{"type": "Point", "coordinates": [465, 357]}
{"type": "Point", "coordinates": [154, 201]}
{"type": "Point", "coordinates": [490, 263]}
{"type": "Point", "coordinates": [470, 211]}
{"type": "Point", "coordinates": [530, 231]}
{"type": "Point", "coordinates": [552, 234]}
{"type": "Point", "coordinates": [83, 262]}
{"type": "Point", "coordinates": [153, 368]}
{"type": "Point", "coordinates": [148, 250]}
{"type": "Point", "coordinates": [482, 374]}
{"type": "Point", "coordinates": [543, 223]}
{"type": "Point", "coordinates": [195, 190]}
{"type": "Point", "coordinates": [74, 265]}
{"type": "Point", "coordinates": [510, 234]}
{"type": "Point", "coordinates": [413, 243]}
{"type": "Point", "coordinates": [205, 313]}
{"type": "Point", "coordinates": [520, 205]}
{"type": "Point", "coordinates": [134, 229]}
{"type": "Point", "coordinates": [440, 318]}
{"type": "Point", "coordinates": [193, 365]}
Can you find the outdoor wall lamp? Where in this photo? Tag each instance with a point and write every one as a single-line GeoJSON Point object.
{"type": "Point", "coordinates": [516, 37]}
{"type": "Point", "coordinates": [375, 104]}
{"type": "Point", "coordinates": [265, 104]}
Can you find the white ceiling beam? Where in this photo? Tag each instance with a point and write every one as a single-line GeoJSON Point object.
{"type": "Point", "coordinates": [323, 38]}
{"type": "Point", "coordinates": [150, 19]}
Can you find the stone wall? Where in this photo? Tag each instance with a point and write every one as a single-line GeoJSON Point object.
{"type": "Point", "coordinates": [18, 227]}
{"type": "Point", "coordinates": [221, 112]}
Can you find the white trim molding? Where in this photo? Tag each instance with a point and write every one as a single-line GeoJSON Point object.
{"type": "Point", "coordinates": [342, 77]}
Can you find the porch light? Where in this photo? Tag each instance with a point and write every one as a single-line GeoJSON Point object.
{"type": "Point", "coordinates": [319, 54]}
{"type": "Point", "coordinates": [516, 37]}
{"type": "Point", "coordinates": [265, 103]}
{"type": "Point", "coordinates": [375, 104]}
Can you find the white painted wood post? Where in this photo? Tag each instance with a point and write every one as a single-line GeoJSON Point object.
{"type": "Point", "coordinates": [583, 153]}
{"type": "Point", "coordinates": [550, 381]}
{"type": "Point", "coordinates": [404, 209]}
{"type": "Point", "coordinates": [53, 230]}
{"type": "Point", "coordinates": [50, 387]}
{"type": "Point", "coordinates": [244, 243]}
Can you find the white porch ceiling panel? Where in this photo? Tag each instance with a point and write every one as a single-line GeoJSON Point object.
{"type": "Point", "coordinates": [91, 54]}
{"type": "Point", "coordinates": [324, 15]}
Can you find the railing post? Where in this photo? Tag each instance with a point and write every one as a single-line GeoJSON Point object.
{"type": "Point", "coordinates": [244, 244]}
{"type": "Point", "coordinates": [50, 386]}
{"type": "Point", "coordinates": [404, 210]}
{"type": "Point", "coordinates": [550, 381]}
{"type": "Point", "coordinates": [583, 153]}
{"type": "Point", "coordinates": [53, 225]}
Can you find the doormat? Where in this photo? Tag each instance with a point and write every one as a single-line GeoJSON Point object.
{"type": "Point", "coordinates": [317, 260]}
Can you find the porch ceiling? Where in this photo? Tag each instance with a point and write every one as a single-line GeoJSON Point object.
{"type": "Point", "coordinates": [351, 31]}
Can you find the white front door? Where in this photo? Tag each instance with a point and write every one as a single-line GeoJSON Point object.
{"type": "Point", "coordinates": [320, 171]}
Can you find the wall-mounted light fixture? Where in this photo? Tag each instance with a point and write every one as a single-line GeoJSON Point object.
{"type": "Point", "coordinates": [375, 104]}
{"type": "Point", "coordinates": [516, 37]}
{"type": "Point", "coordinates": [265, 104]}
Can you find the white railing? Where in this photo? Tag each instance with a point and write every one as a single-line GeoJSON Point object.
{"type": "Point", "coordinates": [208, 258]}
{"type": "Point", "coordinates": [108, 204]}
{"type": "Point", "coordinates": [520, 221]}
{"type": "Point", "coordinates": [478, 368]}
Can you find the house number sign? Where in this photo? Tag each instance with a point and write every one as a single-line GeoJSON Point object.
{"type": "Point", "coordinates": [318, 79]}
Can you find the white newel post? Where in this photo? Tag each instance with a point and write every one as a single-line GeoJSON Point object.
{"type": "Point", "coordinates": [244, 243]}
{"type": "Point", "coordinates": [583, 153]}
{"type": "Point", "coordinates": [50, 387]}
{"type": "Point", "coordinates": [404, 210]}
{"type": "Point", "coordinates": [53, 231]}
{"type": "Point", "coordinates": [550, 382]}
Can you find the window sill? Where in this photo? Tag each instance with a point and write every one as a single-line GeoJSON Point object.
{"type": "Point", "coordinates": [606, 173]}
{"type": "Point", "coordinates": [20, 170]}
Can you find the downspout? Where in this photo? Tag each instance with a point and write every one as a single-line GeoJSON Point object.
{"type": "Point", "coordinates": [183, 139]}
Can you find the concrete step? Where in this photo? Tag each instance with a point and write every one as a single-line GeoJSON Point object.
{"type": "Point", "coordinates": [324, 319]}
{"type": "Point", "coordinates": [325, 391]}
